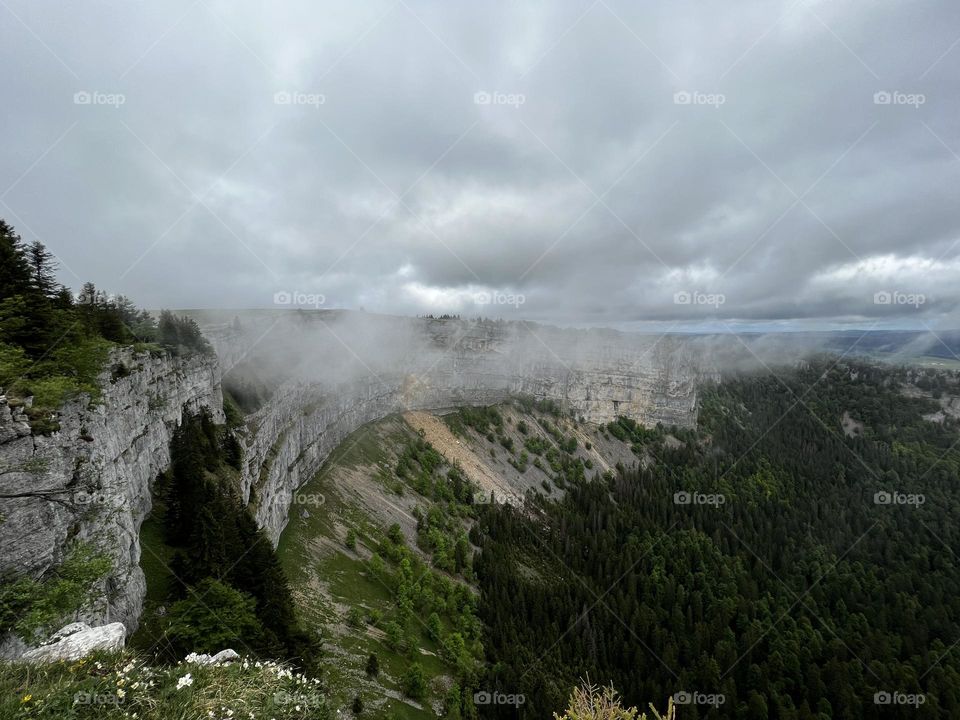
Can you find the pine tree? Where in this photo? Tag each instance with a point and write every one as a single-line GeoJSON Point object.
{"type": "Point", "coordinates": [42, 269]}
{"type": "Point", "coordinates": [14, 267]}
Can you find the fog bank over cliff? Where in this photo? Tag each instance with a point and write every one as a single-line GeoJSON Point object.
{"type": "Point", "coordinates": [331, 347]}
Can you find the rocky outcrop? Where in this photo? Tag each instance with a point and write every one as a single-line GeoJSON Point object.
{"type": "Point", "coordinates": [91, 480]}
{"type": "Point", "coordinates": [75, 641]}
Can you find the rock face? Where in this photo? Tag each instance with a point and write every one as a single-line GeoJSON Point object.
{"type": "Point", "coordinates": [91, 480]}
{"type": "Point", "coordinates": [77, 640]}
{"type": "Point", "coordinates": [427, 364]}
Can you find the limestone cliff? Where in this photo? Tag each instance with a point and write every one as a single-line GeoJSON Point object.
{"type": "Point", "coordinates": [426, 364]}
{"type": "Point", "coordinates": [91, 480]}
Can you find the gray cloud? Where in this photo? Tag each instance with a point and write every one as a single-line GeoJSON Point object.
{"type": "Point", "coordinates": [581, 188]}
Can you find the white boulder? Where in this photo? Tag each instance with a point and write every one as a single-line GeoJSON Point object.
{"type": "Point", "coordinates": [77, 640]}
{"type": "Point", "coordinates": [222, 657]}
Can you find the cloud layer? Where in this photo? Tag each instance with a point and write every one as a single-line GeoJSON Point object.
{"type": "Point", "coordinates": [681, 164]}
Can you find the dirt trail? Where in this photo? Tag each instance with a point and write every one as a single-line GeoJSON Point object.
{"type": "Point", "coordinates": [436, 432]}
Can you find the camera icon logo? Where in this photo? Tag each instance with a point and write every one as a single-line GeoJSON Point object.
{"type": "Point", "coordinates": [482, 97]}
{"type": "Point", "coordinates": [282, 298]}
{"type": "Point", "coordinates": [682, 98]}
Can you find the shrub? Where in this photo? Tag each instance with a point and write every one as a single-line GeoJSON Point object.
{"type": "Point", "coordinates": [29, 606]}
{"type": "Point", "coordinates": [212, 617]}
{"type": "Point", "coordinates": [414, 682]}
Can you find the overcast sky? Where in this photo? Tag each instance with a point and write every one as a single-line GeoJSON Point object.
{"type": "Point", "coordinates": [761, 163]}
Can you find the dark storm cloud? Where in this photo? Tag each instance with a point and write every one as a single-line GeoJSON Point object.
{"type": "Point", "coordinates": [604, 163]}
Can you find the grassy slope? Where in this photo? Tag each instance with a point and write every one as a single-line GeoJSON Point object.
{"type": "Point", "coordinates": [345, 580]}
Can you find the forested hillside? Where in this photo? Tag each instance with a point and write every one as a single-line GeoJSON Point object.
{"type": "Point", "coordinates": [794, 557]}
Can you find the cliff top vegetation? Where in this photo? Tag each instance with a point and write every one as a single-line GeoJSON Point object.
{"type": "Point", "coordinates": [54, 345]}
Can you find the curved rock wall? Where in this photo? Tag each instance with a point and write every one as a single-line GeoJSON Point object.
{"type": "Point", "coordinates": [91, 480]}
{"type": "Point", "coordinates": [597, 375]}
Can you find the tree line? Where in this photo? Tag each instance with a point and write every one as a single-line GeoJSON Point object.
{"type": "Point", "coordinates": [54, 344]}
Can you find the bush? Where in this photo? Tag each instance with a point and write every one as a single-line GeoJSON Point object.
{"type": "Point", "coordinates": [13, 364]}
{"type": "Point", "coordinates": [414, 682]}
{"type": "Point", "coordinates": [29, 606]}
{"type": "Point", "coordinates": [212, 617]}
